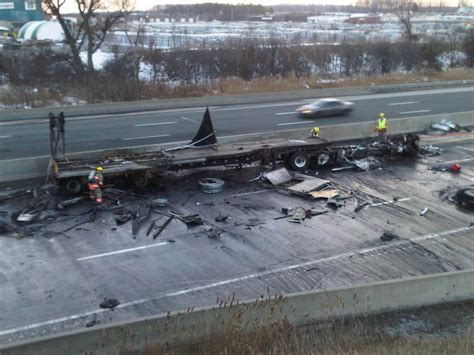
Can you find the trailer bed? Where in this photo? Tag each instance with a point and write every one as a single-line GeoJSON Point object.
{"type": "Point", "coordinates": [121, 162]}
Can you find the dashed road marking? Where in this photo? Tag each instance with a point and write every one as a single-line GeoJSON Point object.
{"type": "Point", "coordinates": [190, 120]}
{"type": "Point", "coordinates": [403, 103]}
{"type": "Point", "coordinates": [389, 202]}
{"type": "Point", "coordinates": [293, 123]}
{"type": "Point", "coordinates": [154, 124]}
{"type": "Point", "coordinates": [123, 251]}
{"type": "Point", "coordinates": [2, 137]}
{"type": "Point", "coordinates": [284, 113]}
{"type": "Point", "coordinates": [241, 278]}
{"type": "Point", "coordinates": [410, 112]}
{"type": "Point", "coordinates": [147, 137]}
{"type": "Point", "coordinates": [468, 149]}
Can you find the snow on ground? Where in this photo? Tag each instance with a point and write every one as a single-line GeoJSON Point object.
{"type": "Point", "coordinates": [99, 58]}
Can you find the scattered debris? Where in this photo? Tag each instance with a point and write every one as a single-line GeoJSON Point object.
{"type": "Point", "coordinates": [334, 203]}
{"type": "Point", "coordinates": [360, 206]}
{"type": "Point", "coordinates": [299, 214]}
{"type": "Point", "coordinates": [190, 221]}
{"type": "Point", "coordinates": [424, 211]}
{"type": "Point", "coordinates": [143, 213]}
{"type": "Point", "coordinates": [446, 126]}
{"type": "Point", "coordinates": [278, 177]}
{"type": "Point", "coordinates": [93, 322]}
{"type": "Point", "coordinates": [221, 219]}
{"type": "Point", "coordinates": [159, 202]}
{"type": "Point", "coordinates": [367, 164]}
{"type": "Point", "coordinates": [109, 303]}
{"type": "Point", "coordinates": [453, 167]}
{"type": "Point", "coordinates": [32, 212]}
{"type": "Point", "coordinates": [430, 150]}
{"type": "Point", "coordinates": [62, 205]}
{"type": "Point", "coordinates": [124, 217]}
{"type": "Point", "coordinates": [327, 194]}
{"type": "Point", "coordinates": [162, 228]}
{"type": "Point", "coordinates": [211, 185]}
{"type": "Point", "coordinates": [388, 236]}
{"type": "Point", "coordinates": [308, 184]}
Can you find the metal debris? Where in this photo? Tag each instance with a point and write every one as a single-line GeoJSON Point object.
{"type": "Point", "coordinates": [430, 150]}
{"type": "Point", "coordinates": [162, 227]}
{"type": "Point", "coordinates": [62, 205]}
{"type": "Point", "coordinates": [367, 164]}
{"type": "Point", "coordinates": [325, 194]}
{"type": "Point", "coordinates": [388, 236]}
{"type": "Point", "coordinates": [109, 303]}
{"type": "Point", "coordinates": [159, 202]}
{"type": "Point", "coordinates": [360, 206]}
{"type": "Point", "coordinates": [334, 203]}
{"type": "Point", "coordinates": [308, 184]}
{"type": "Point", "coordinates": [278, 177]}
{"type": "Point", "coordinates": [424, 211]}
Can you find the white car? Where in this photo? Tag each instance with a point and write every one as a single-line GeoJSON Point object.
{"type": "Point", "coordinates": [326, 107]}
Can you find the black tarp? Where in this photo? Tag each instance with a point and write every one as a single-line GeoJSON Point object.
{"type": "Point", "coordinates": [205, 135]}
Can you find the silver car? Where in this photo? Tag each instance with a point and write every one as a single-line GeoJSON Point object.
{"type": "Point", "coordinates": [326, 107]}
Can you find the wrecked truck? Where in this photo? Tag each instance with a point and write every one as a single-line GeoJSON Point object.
{"type": "Point", "coordinates": [204, 151]}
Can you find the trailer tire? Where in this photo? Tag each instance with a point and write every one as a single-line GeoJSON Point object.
{"type": "Point", "coordinates": [299, 161]}
{"type": "Point", "coordinates": [465, 198]}
{"type": "Point", "coordinates": [140, 180]}
{"type": "Point", "coordinates": [73, 186]}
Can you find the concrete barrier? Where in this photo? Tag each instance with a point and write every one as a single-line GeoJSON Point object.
{"type": "Point", "coordinates": [163, 104]}
{"type": "Point", "coordinates": [296, 309]}
{"type": "Point", "coordinates": [223, 100]}
{"type": "Point", "coordinates": [35, 168]}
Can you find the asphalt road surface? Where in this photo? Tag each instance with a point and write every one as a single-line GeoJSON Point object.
{"type": "Point", "coordinates": [31, 138]}
{"type": "Point", "coordinates": [54, 281]}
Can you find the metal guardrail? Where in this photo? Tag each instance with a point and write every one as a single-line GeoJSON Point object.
{"type": "Point", "coordinates": [420, 86]}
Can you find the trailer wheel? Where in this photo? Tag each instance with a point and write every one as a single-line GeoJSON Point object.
{"type": "Point", "coordinates": [73, 186]}
{"type": "Point", "coordinates": [299, 161]}
{"type": "Point", "coordinates": [465, 198]}
{"type": "Point", "coordinates": [140, 180]}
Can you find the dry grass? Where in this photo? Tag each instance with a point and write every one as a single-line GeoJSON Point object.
{"type": "Point", "coordinates": [291, 83]}
{"type": "Point", "coordinates": [347, 337]}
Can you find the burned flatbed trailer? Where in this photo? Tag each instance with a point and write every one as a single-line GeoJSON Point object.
{"type": "Point", "coordinates": [141, 168]}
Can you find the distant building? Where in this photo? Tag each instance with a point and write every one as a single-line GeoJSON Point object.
{"type": "Point", "coordinates": [364, 20]}
{"type": "Point", "coordinates": [19, 12]}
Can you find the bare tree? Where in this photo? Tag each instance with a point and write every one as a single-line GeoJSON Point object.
{"type": "Point", "coordinates": [404, 9]}
{"type": "Point", "coordinates": [91, 29]}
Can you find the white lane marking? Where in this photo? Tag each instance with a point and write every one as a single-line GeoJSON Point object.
{"type": "Point", "coordinates": [294, 123]}
{"type": "Point", "coordinates": [403, 103]}
{"type": "Point", "coordinates": [154, 124]}
{"type": "Point", "coordinates": [389, 202]}
{"type": "Point", "coordinates": [123, 251]}
{"type": "Point", "coordinates": [468, 149]}
{"type": "Point", "coordinates": [1, 137]}
{"type": "Point", "coordinates": [237, 279]}
{"type": "Point", "coordinates": [410, 112]}
{"type": "Point", "coordinates": [284, 113]}
{"type": "Point", "coordinates": [456, 161]}
{"type": "Point", "coordinates": [147, 137]}
{"type": "Point", "coordinates": [190, 120]}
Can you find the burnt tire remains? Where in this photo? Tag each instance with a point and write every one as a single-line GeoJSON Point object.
{"type": "Point", "coordinates": [211, 185]}
{"type": "Point", "coordinates": [465, 198]}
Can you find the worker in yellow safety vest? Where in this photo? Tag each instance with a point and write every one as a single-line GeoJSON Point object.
{"type": "Point", "coordinates": [95, 184]}
{"type": "Point", "coordinates": [381, 125]}
{"type": "Point", "coordinates": [315, 132]}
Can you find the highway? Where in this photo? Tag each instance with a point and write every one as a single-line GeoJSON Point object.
{"type": "Point", "coordinates": [31, 138]}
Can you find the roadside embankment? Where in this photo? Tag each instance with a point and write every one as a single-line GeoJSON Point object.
{"type": "Point", "coordinates": [296, 309]}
